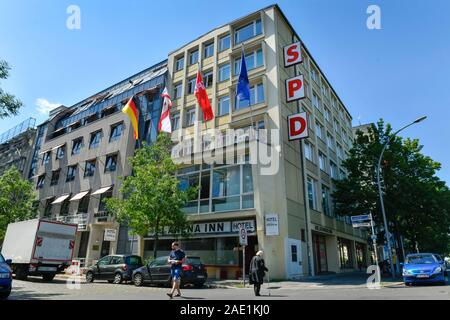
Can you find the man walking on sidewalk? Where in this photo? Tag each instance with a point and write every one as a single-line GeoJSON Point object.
{"type": "Point", "coordinates": [176, 259]}
{"type": "Point", "coordinates": [257, 272]}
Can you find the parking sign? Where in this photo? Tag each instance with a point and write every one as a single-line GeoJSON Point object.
{"type": "Point", "coordinates": [242, 236]}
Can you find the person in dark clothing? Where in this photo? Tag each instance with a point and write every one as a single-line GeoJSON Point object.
{"type": "Point", "coordinates": [176, 260]}
{"type": "Point", "coordinates": [257, 272]}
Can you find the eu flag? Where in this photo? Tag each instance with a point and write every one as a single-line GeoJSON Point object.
{"type": "Point", "coordinates": [243, 86]}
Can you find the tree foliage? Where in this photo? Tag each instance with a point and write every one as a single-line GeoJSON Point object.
{"type": "Point", "coordinates": [16, 199]}
{"type": "Point", "coordinates": [417, 202]}
{"type": "Point", "coordinates": [9, 105]}
{"type": "Point", "coordinates": [152, 200]}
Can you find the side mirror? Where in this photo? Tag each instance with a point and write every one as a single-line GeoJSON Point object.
{"type": "Point", "coordinates": [8, 262]}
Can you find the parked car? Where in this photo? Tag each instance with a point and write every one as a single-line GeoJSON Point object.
{"type": "Point", "coordinates": [158, 272]}
{"type": "Point", "coordinates": [424, 267]}
{"type": "Point", "coordinates": [5, 278]}
{"type": "Point", "coordinates": [114, 268]}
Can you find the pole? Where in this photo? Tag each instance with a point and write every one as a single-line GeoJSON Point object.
{"type": "Point", "coordinates": [386, 230]}
{"type": "Point", "coordinates": [268, 282]}
{"type": "Point", "coordinates": [243, 265]}
{"type": "Point", "coordinates": [374, 239]}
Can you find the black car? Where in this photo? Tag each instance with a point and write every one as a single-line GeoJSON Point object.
{"type": "Point", "coordinates": [114, 268]}
{"type": "Point", "coordinates": [158, 272]}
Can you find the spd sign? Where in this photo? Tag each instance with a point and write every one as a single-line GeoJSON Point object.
{"type": "Point", "coordinates": [295, 89]}
{"type": "Point", "coordinates": [297, 126]}
{"type": "Point", "coordinates": [293, 54]}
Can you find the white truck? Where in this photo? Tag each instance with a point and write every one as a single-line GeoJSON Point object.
{"type": "Point", "coordinates": [39, 247]}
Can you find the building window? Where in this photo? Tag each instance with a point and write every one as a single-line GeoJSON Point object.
{"type": "Point", "coordinates": [294, 257]}
{"type": "Point", "coordinates": [55, 177]}
{"type": "Point", "coordinates": [315, 101]}
{"type": "Point", "coordinates": [345, 253]}
{"type": "Point", "coordinates": [179, 64]}
{"type": "Point", "coordinates": [76, 146]}
{"type": "Point", "coordinates": [314, 75]}
{"type": "Point", "coordinates": [334, 170]}
{"type": "Point", "coordinates": [177, 91]}
{"type": "Point", "coordinates": [224, 72]}
{"type": "Point", "coordinates": [312, 193]}
{"type": "Point", "coordinates": [46, 157]}
{"type": "Point", "coordinates": [111, 163]}
{"type": "Point", "coordinates": [89, 169]}
{"type": "Point", "coordinates": [256, 96]}
{"type": "Point", "coordinates": [327, 114]}
{"type": "Point", "coordinates": [339, 151]}
{"type": "Point", "coordinates": [208, 79]}
{"type": "Point", "coordinates": [48, 207]}
{"type": "Point", "coordinates": [60, 152]}
{"type": "Point", "coordinates": [116, 132]}
{"type": "Point", "coordinates": [252, 60]}
{"type": "Point", "coordinates": [309, 154]}
{"type": "Point", "coordinates": [224, 105]}
{"type": "Point", "coordinates": [322, 162]}
{"type": "Point", "coordinates": [208, 50]}
{"type": "Point", "coordinates": [336, 126]}
{"type": "Point", "coordinates": [330, 141]}
{"type": "Point", "coordinates": [95, 139]}
{"type": "Point", "coordinates": [319, 130]}
{"type": "Point", "coordinates": [83, 205]}
{"type": "Point", "coordinates": [176, 121]}
{"type": "Point", "coordinates": [342, 175]}
{"type": "Point", "coordinates": [71, 172]}
{"type": "Point", "coordinates": [190, 117]}
{"type": "Point", "coordinates": [64, 208]}
{"type": "Point", "coordinates": [326, 200]}
{"type": "Point", "coordinates": [247, 32]}
{"type": "Point", "coordinates": [222, 188]}
{"type": "Point", "coordinates": [191, 85]}
{"type": "Point", "coordinates": [102, 205]}
{"type": "Point", "coordinates": [224, 43]}
{"type": "Point", "coordinates": [193, 57]}
{"type": "Point", "coordinates": [40, 182]}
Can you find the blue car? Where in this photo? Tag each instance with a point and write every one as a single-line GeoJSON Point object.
{"type": "Point", "coordinates": [424, 268]}
{"type": "Point", "coordinates": [5, 278]}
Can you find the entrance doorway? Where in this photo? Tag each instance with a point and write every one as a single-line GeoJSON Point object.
{"type": "Point", "coordinates": [320, 253]}
{"type": "Point", "coordinates": [84, 240]}
{"type": "Point", "coordinates": [105, 248]}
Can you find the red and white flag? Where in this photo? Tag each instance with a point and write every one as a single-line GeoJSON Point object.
{"type": "Point", "coordinates": [164, 122]}
{"type": "Point", "coordinates": [202, 98]}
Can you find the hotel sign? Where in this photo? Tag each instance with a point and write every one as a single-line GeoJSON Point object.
{"type": "Point", "coordinates": [217, 227]}
{"type": "Point", "coordinates": [272, 224]}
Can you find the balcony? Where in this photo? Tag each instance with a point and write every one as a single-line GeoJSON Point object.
{"type": "Point", "coordinates": [103, 217]}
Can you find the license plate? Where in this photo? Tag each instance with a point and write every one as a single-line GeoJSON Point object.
{"type": "Point", "coordinates": [423, 276]}
{"type": "Point", "coordinates": [201, 277]}
{"type": "Point", "coordinates": [47, 268]}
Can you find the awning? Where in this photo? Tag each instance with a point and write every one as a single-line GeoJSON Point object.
{"type": "Point", "coordinates": [79, 196]}
{"type": "Point", "coordinates": [45, 151]}
{"type": "Point", "coordinates": [58, 146]}
{"type": "Point", "coordinates": [102, 190]}
{"type": "Point", "coordinates": [61, 199]}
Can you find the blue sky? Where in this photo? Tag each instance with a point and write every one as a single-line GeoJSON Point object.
{"type": "Point", "coordinates": [398, 73]}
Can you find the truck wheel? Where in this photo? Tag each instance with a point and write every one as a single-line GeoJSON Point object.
{"type": "Point", "coordinates": [89, 277]}
{"type": "Point", "coordinates": [48, 277]}
{"type": "Point", "coordinates": [21, 273]}
{"type": "Point", "coordinates": [117, 278]}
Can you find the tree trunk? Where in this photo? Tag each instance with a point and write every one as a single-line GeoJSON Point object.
{"type": "Point", "coordinates": [156, 239]}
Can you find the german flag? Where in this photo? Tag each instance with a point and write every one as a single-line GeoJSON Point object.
{"type": "Point", "coordinates": [131, 110]}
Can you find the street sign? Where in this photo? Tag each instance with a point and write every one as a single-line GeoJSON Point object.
{"type": "Point", "coordinates": [361, 224]}
{"type": "Point", "coordinates": [243, 237]}
{"type": "Point", "coordinates": [361, 218]}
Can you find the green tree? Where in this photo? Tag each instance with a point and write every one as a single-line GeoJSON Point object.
{"type": "Point", "coordinates": [152, 199]}
{"type": "Point", "coordinates": [16, 199]}
{"type": "Point", "coordinates": [9, 105]}
{"type": "Point", "coordinates": [416, 200]}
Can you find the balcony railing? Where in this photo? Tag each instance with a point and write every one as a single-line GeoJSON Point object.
{"type": "Point", "coordinates": [103, 216]}
{"type": "Point", "coordinates": [81, 219]}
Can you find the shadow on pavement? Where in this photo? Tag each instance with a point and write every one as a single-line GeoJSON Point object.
{"type": "Point", "coordinates": [18, 293]}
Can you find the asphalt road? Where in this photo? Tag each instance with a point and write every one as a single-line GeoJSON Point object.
{"type": "Point", "coordinates": [36, 289]}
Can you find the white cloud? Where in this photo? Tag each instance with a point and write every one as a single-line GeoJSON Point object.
{"type": "Point", "coordinates": [44, 106]}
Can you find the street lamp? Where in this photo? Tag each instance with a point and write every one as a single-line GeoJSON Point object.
{"type": "Point", "coordinates": [386, 231]}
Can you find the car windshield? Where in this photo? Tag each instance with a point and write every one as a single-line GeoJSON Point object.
{"type": "Point", "coordinates": [134, 260]}
{"type": "Point", "coordinates": [421, 259]}
{"type": "Point", "coordinates": [193, 260]}
{"type": "Point", "coordinates": [2, 260]}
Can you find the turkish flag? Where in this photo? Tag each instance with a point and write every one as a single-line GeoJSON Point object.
{"type": "Point", "coordinates": [202, 98]}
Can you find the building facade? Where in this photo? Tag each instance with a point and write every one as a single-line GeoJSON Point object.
{"type": "Point", "coordinates": [311, 239]}
{"type": "Point", "coordinates": [16, 147]}
{"type": "Point", "coordinates": [80, 154]}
